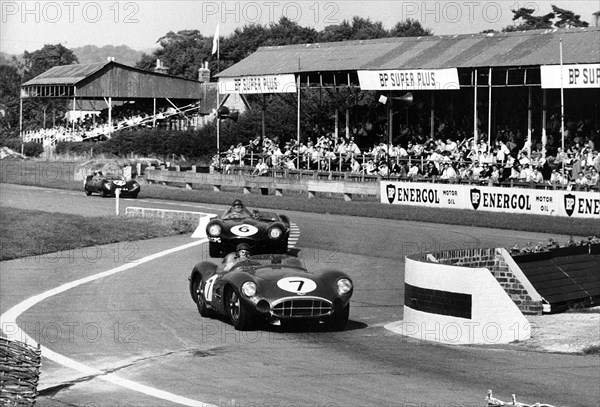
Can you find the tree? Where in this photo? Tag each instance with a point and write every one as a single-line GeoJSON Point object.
{"type": "Point", "coordinates": [567, 18]}
{"type": "Point", "coordinates": [10, 82]}
{"type": "Point", "coordinates": [530, 22]}
{"type": "Point", "coordinates": [49, 56]}
{"type": "Point", "coordinates": [357, 29]}
{"type": "Point", "coordinates": [409, 28]}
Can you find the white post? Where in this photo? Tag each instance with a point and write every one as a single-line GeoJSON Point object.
{"type": "Point", "coordinates": [529, 124]}
{"type": "Point", "coordinates": [544, 135]}
{"type": "Point", "coordinates": [490, 109]}
{"type": "Point", "coordinates": [298, 121]}
{"type": "Point", "coordinates": [432, 116]}
{"type": "Point", "coordinates": [562, 99]}
{"type": "Point", "coordinates": [117, 194]}
{"type": "Point", "coordinates": [475, 134]}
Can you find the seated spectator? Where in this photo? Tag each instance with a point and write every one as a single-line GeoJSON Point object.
{"type": "Point", "coordinates": [526, 173]}
{"type": "Point", "coordinates": [495, 176]}
{"type": "Point", "coordinates": [581, 180]}
{"type": "Point", "coordinates": [355, 166]}
{"type": "Point", "coordinates": [558, 178]}
{"type": "Point", "coordinates": [414, 170]}
{"type": "Point", "coordinates": [448, 172]}
{"type": "Point", "coordinates": [537, 176]}
{"type": "Point", "coordinates": [594, 177]}
{"type": "Point", "coordinates": [261, 168]}
{"type": "Point", "coordinates": [431, 170]}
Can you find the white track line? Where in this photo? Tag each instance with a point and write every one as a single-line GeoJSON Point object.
{"type": "Point", "coordinates": [9, 318]}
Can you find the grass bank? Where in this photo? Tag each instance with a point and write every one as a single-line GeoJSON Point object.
{"type": "Point", "coordinates": [34, 233]}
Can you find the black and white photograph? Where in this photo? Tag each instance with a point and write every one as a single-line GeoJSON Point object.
{"type": "Point", "coordinates": [300, 203]}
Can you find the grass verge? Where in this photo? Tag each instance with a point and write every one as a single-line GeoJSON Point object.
{"type": "Point", "coordinates": [34, 233]}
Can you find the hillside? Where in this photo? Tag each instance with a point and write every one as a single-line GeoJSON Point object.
{"type": "Point", "coordinates": [90, 54]}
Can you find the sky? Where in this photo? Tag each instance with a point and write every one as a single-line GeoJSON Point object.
{"type": "Point", "coordinates": [29, 25]}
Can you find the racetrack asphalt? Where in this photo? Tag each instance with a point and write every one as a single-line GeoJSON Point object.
{"type": "Point", "coordinates": [142, 325]}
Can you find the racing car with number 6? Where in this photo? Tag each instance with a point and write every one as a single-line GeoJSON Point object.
{"type": "Point", "coordinates": [265, 232]}
{"type": "Point", "coordinates": [276, 288]}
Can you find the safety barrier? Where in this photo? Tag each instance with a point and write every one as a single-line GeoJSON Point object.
{"type": "Point", "coordinates": [189, 216]}
{"type": "Point", "coordinates": [19, 373]}
{"type": "Point", "coordinates": [278, 181]}
{"type": "Point", "coordinates": [462, 301]}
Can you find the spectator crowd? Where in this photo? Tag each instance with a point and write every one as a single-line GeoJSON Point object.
{"type": "Point", "coordinates": [447, 157]}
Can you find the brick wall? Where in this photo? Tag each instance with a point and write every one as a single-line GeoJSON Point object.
{"type": "Point", "coordinates": [493, 261]}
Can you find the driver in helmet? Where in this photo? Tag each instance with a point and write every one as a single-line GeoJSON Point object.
{"type": "Point", "coordinates": [237, 210]}
{"type": "Point", "coordinates": [242, 253]}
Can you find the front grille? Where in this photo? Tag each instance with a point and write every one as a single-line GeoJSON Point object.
{"type": "Point", "coordinates": [302, 307]}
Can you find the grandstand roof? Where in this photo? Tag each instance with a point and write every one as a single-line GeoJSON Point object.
{"type": "Point", "coordinates": [514, 49]}
{"type": "Point", "coordinates": [110, 79]}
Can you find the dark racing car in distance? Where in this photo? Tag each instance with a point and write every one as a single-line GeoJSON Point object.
{"type": "Point", "coordinates": [275, 288]}
{"type": "Point", "coordinates": [265, 232]}
{"type": "Point", "coordinates": [100, 184]}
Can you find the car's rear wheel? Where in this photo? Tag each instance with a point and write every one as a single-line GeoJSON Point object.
{"type": "Point", "coordinates": [237, 312]}
{"type": "Point", "coordinates": [339, 319]}
{"type": "Point", "coordinates": [199, 298]}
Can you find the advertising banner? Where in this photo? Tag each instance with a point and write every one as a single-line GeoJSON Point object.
{"type": "Point", "coordinates": [575, 204]}
{"type": "Point", "coordinates": [258, 84]}
{"type": "Point", "coordinates": [573, 76]}
{"type": "Point", "coordinates": [409, 79]}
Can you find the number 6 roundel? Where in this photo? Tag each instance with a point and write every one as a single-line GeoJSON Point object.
{"type": "Point", "coordinates": [297, 285]}
{"type": "Point", "coordinates": [244, 230]}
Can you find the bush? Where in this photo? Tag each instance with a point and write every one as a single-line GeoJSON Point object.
{"type": "Point", "coordinates": [29, 149]}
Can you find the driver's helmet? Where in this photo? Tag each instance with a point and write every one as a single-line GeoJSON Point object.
{"type": "Point", "coordinates": [243, 250]}
{"type": "Point", "coordinates": [237, 205]}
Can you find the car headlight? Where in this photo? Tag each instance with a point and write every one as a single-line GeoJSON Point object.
{"type": "Point", "coordinates": [344, 286]}
{"type": "Point", "coordinates": [135, 186]}
{"type": "Point", "coordinates": [107, 185]}
{"type": "Point", "coordinates": [275, 233]}
{"type": "Point", "coordinates": [249, 289]}
{"type": "Point", "coordinates": [214, 230]}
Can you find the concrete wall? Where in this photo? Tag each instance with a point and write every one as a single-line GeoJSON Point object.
{"type": "Point", "coordinates": [504, 269]}
{"type": "Point", "coordinates": [458, 304]}
{"type": "Point", "coordinates": [311, 182]}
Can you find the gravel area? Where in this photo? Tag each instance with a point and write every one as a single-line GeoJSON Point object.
{"type": "Point", "coordinates": [569, 332]}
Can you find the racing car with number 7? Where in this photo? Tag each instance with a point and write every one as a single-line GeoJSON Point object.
{"type": "Point", "coordinates": [273, 288]}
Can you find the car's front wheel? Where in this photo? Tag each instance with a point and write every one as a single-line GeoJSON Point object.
{"type": "Point", "coordinates": [237, 312]}
{"type": "Point", "coordinates": [88, 193]}
{"type": "Point", "coordinates": [199, 298]}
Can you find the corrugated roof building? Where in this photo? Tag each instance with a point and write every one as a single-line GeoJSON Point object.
{"type": "Point", "coordinates": [110, 79]}
{"type": "Point", "coordinates": [514, 49]}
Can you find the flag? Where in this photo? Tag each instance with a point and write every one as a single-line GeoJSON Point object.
{"type": "Point", "coordinates": [215, 47]}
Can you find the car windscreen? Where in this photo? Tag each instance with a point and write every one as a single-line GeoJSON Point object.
{"type": "Point", "coordinates": [267, 217]}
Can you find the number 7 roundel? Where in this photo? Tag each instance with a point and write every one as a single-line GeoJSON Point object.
{"type": "Point", "coordinates": [297, 285]}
